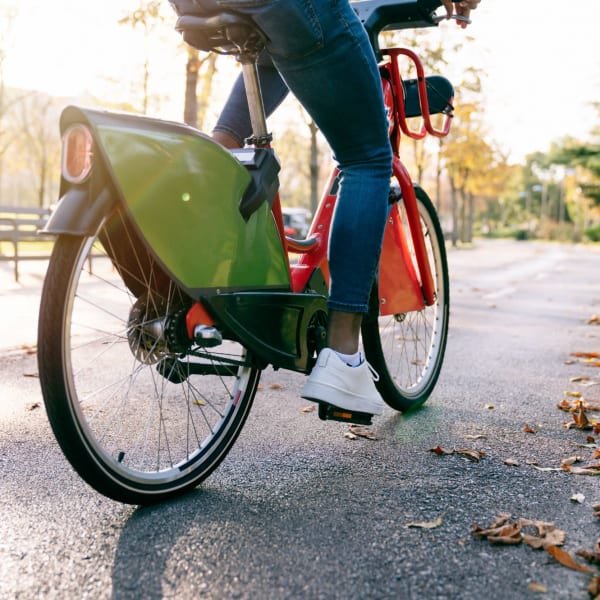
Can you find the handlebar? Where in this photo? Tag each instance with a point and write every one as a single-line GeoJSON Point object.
{"type": "Point", "coordinates": [390, 15]}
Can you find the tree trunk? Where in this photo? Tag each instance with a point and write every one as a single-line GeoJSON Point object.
{"type": "Point", "coordinates": [190, 109]}
{"type": "Point", "coordinates": [454, 201]}
{"type": "Point", "coordinates": [206, 82]}
{"type": "Point", "coordinates": [314, 167]}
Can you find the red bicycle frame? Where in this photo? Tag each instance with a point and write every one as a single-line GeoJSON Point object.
{"type": "Point", "coordinates": [402, 288]}
{"type": "Point", "coordinates": [405, 280]}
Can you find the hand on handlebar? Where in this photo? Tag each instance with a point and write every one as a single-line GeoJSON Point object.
{"type": "Point", "coordinates": [460, 8]}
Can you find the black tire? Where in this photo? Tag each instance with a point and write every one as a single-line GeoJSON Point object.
{"type": "Point", "coordinates": [407, 350]}
{"type": "Point", "coordinates": [129, 415]}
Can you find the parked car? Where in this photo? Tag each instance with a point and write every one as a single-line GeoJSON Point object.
{"type": "Point", "coordinates": [296, 222]}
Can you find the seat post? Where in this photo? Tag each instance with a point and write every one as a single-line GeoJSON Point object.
{"type": "Point", "coordinates": [260, 135]}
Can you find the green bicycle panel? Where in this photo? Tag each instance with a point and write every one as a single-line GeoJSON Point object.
{"type": "Point", "coordinates": [183, 193]}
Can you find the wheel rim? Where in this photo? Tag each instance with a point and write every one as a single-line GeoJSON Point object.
{"type": "Point", "coordinates": [144, 431]}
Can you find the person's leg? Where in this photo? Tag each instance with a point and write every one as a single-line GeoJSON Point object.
{"type": "Point", "coordinates": [323, 54]}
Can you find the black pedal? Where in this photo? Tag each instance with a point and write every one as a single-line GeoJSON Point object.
{"type": "Point", "coordinates": [328, 412]}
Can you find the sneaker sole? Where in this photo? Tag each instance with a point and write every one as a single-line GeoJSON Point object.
{"type": "Point", "coordinates": [318, 392]}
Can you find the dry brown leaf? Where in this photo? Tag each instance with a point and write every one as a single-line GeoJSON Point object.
{"type": "Point", "coordinates": [440, 451]}
{"type": "Point", "coordinates": [578, 379]}
{"type": "Point", "coordinates": [566, 560]}
{"type": "Point", "coordinates": [362, 432]}
{"type": "Point", "coordinates": [565, 405]}
{"type": "Point", "coordinates": [511, 462]}
{"type": "Point", "coordinates": [592, 556]}
{"type": "Point", "coordinates": [350, 436]}
{"type": "Point", "coordinates": [546, 469]}
{"type": "Point", "coordinates": [474, 455]}
{"type": "Point", "coordinates": [593, 470]}
{"type": "Point", "coordinates": [594, 320]}
{"type": "Point", "coordinates": [479, 436]}
{"type": "Point", "coordinates": [276, 386]}
{"type": "Point", "coordinates": [580, 419]}
{"type": "Point", "coordinates": [586, 354]}
{"type": "Point", "coordinates": [308, 409]}
{"type": "Point", "coordinates": [528, 429]}
{"type": "Point", "coordinates": [594, 587]}
{"type": "Point", "coordinates": [565, 462]}
{"type": "Point", "coordinates": [573, 394]}
{"type": "Point", "coordinates": [490, 406]}
{"type": "Point", "coordinates": [501, 531]}
{"type": "Point", "coordinates": [426, 524]}
{"type": "Point", "coordinates": [593, 405]}
{"type": "Point", "coordinates": [537, 587]}
{"type": "Point", "coordinates": [541, 534]}
{"type": "Point", "coordinates": [33, 405]}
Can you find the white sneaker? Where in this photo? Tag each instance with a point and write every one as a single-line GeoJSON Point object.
{"type": "Point", "coordinates": [336, 383]}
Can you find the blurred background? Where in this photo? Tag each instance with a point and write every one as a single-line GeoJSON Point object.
{"type": "Point", "coordinates": [522, 159]}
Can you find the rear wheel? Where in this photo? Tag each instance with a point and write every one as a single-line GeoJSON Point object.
{"type": "Point", "coordinates": [139, 412]}
{"type": "Point", "coordinates": [407, 349]}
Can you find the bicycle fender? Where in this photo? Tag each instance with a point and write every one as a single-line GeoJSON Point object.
{"type": "Point", "coordinates": [78, 214]}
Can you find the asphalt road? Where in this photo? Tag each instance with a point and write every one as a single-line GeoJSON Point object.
{"type": "Point", "coordinates": [297, 510]}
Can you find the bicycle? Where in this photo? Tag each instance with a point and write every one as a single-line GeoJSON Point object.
{"type": "Point", "coordinates": [150, 351]}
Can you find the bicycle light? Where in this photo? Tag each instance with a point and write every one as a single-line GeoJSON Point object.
{"type": "Point", "coordinates": [77, 153]}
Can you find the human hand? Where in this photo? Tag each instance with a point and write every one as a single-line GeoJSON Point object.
{"type": "Point", "coordinates": [462, 8]}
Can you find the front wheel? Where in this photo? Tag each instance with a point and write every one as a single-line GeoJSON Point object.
{"type": "Point", "coordinates": [407, 349]}
{"type": "Point", "coordinates": [140, 416]}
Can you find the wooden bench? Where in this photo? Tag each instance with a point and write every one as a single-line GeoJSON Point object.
{"type": "Point", "coordinates": [23, 224]}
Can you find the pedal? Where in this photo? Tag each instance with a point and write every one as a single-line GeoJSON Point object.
{"type": "Point", "coordinates": [328, 412]}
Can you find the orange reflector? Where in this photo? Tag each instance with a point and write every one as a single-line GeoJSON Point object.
{"type": "Point", "coordinates": [77, 153]}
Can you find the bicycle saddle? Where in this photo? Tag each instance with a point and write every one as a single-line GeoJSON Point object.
{"type": "Point", "coordinates": [207, 26]}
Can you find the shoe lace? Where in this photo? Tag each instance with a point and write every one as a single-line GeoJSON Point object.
{"type": "Point", "coordinates": [374, 373]}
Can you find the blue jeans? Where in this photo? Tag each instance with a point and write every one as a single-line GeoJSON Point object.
{"type": "Point", "coordinates": [320, 49]}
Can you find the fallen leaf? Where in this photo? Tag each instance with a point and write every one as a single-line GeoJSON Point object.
{"type": "Point", "coordinates": [537, 587]}
{"type": "Point", "coordinates": [440, 451]}
{"type": "Point", "coordinates": [546, 469]}
{"type": "Point", "coordinates": [541, 534]}
{"type": "Point", "coordinates": [528, 429]}
{"type": "Point", "coordinates": [594, 587]}
{"type": "Point", "coordinates": [573, 394]}
{"type": "Point", "coordinates": [198, 402]}
{"type": "Point", "coordinates": [474, 455]}
{"type": "Point", "coordinates": [586, 354]}
{"type": "Point", "coordinates": [511, 462]}
{"type": "Point", "coordinates": [592, 556]}
{"type": "Point", "coordinates": [578, 379]}
{"type": "Point", "coordinates": [502, 531]}
{"type": "Point", "coordinates": [490, 406]}
{"type": "Point", "coordinates": [426, 524]}
{"type": "Point", "coordinates": [570, 461]}
{"type": "Point", "coordinates": [276, 386]}
{"type": "Point", "coordinates": [566, 560]}
{"type": "Point", "coordinates": [33, 405]}
{"type": "Point", "coordinates": [362, 432]}
{"type": "Point", "coordinates": [479, 436]}
{"type": "Point", "coordinates": [33, 375]}
{"type": "Point", "coordinates": [577, 498]}
{"type": "Point", "coordinates": [308, 409]}
{"type": "Point", "coordinates": [593, 470]}
{"type": "Point", "coordinates": [565, 405]}
{"type": "Point", "coordinates": [594, 320]}
{"type": "Point", "coordinates": [350, 436]}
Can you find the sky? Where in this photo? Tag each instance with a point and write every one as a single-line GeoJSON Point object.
{"type": "Point", "coordinates": [540, 58]}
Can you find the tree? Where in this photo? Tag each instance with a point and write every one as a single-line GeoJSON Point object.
{"type": "Point", "coordinates": [468, 158]}
{"type": "Point", "coordinates": [148, 17]}
{"type": "Point", "coordinates": [38, 144]}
